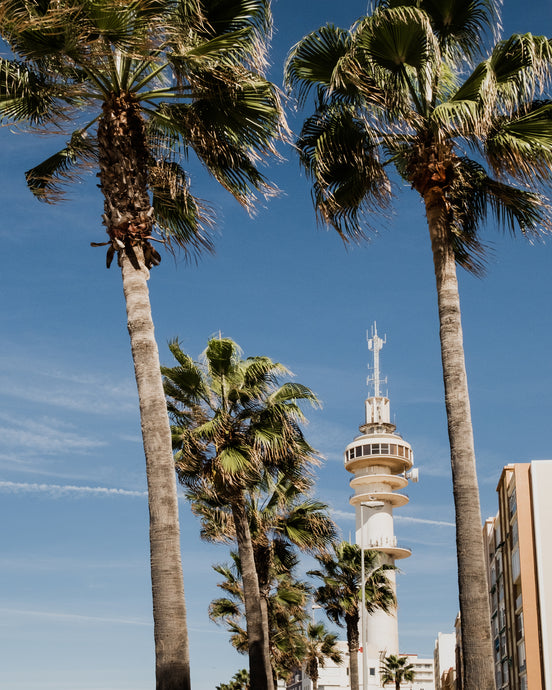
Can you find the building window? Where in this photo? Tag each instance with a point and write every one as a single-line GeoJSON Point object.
{"type": "Point", "coordinates": [515, 565]}
{"type": "Point", "coordinates": [512, 503]}
{"type": "Point", "coordinates": [372, 671]}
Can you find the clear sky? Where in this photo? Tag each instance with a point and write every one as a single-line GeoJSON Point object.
{"type": "Point", "coordinates": [75, 602]}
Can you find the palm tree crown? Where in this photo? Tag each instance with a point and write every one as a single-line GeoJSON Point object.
{"type": "Point", "coordinates": [234, 423]}
{"type": "Point", "coordinates": [148, 81]}
{"type": "Point", "coordinates": [390, 91]}
{"type": "Point", "coordinates": [397, 670]}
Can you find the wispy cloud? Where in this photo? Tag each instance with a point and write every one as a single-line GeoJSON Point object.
{"type": "Point", "coordinates": [349, 515]}
{"type": "Point", "coordinates": [57, 490]}
{"type": "Point", "coordinates": [46, 384]}
{"type": "Point", "coordinates": [74, 617]}
{"type": "Point", "coordinates": [48, 436]}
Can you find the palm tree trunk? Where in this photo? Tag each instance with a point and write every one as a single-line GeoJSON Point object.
{"type": "Point", "coordinates": [123, 175]}
{"type": "Point", "coordinates": [169, 610]}
{"type": "Point", "coordinates": [260, 668]}
{"type": "Point", "coordinates": [472, 574]}
{"type": "Point", "coordinates": [352, 642]}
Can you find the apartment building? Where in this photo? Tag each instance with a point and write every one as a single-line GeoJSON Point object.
{"type": "Point", "coordinates": [519, 561]}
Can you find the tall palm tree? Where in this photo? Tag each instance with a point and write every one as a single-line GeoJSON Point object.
{"type": "Point", "coordinates": [320, 646]}
{"type": "Point", "coordinates": [392, 93]}
{"type": "Point", "coordinates": [138, 85]}
{"type": "Point", "coordinates": [234, 421]}
{"type": "Point", "coordinates": [397, 670]}
{"type": "Point", "coordinates": [340, 595]}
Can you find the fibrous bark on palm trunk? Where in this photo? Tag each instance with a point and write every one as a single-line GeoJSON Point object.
{"type": "Point", "coordinates": [353, 641]}
{"type": "Point", "coordinates": [128, 218]}
{"type": "Point", "coordinates": [472, 574]}
{"type": "Point", "coordinates": [259, 657]}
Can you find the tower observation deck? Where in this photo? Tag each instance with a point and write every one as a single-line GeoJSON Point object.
{"type": "Point", "coordinates": [381, 463]}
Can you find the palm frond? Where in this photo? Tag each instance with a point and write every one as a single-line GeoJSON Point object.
{"type": "Point", "coordinates": [461, 26]}
{"type": "Point", "coordinates": [339, 153]}
{"type": "Point", "coordinates": [231, 129]}
{"type": "Point", "coordinates": [46, 180]}
{"type": "Point", "coordinates": [520, 145]}
{"type": "Point", "coordinates": [182, 219]}
{"type": "Point", "coordinates": [315, 62]}
{"type": "Point", "coordinates": [32, 96]}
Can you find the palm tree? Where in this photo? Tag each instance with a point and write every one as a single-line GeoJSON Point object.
{"type": "Point", "coordinates": [320, 645]}
{"type": "Point", "coordinates": [392, 92]}
{"type": "Point", "coordinates": [281, 518]}
{"type": "Point", "coordinates": [233, 422]}
{"type": "Point", "coordinates": [340, 595]}
{"type": "Point", "coordinates": [240, 681]}
{"type": "Point", "coordinates": [286, 601]}
{"type": "Point", "coordinates": [396, 669]}
{"type": "Point", "coordinates": [137, 86]}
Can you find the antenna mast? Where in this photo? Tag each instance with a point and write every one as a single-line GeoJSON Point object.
{"type": "Point", "coordinates": [375, 343]}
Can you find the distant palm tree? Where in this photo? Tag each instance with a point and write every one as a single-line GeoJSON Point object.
{"type": "Point", "coordinates": [392, 92]}
{"type": "Point", "coordinates": [340, 595]}
{"type": "Point", "coordinates": [138, 86]}
{"type": "Point", "coordinates": [320, 646]}
{"type": "Point", "coordinates": [232, 422]}
{"type": "Point", "coordinates": [397, 670]}
{"type": "Point", "coordinates": [240, 681]}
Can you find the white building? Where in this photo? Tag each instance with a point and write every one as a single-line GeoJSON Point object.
{"type": "Point", "coordinates": [444, 656]}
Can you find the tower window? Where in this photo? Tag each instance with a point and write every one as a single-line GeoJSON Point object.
{"type": "Point", "coordinates": [366, 450]}
{"type": "Point", "coordinates": [375, 449]}
{"type": "Point", "coordinates": [358, 451]}
{"type": "Point", "coordinates": [385, 448]}
{"type": "Point", "coordinates": [393, 449]}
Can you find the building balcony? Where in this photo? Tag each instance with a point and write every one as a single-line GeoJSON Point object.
{"type": "Point", "coordinates": [396, 500]}
{"type": "Point", "coordinates": [367, 478]}
{"type": "Point", "coordinates": [387, 545]}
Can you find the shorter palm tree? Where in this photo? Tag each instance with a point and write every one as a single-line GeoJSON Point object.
{"type": "Point", "coordinates": [233, 421]}
{"type": "Point", "coordinates": [340, 595]}
{"type": "Point", "coordinates": [320, 645]}
{"type": "Point", "coordinates": [286, 616]}
{"type": "Point", "coordinates": [396, 669]}
{"type": "Point", "coordinates": [240, 681]}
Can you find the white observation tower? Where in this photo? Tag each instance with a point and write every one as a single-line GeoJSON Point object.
{"type": "Point", "coordinates": [381, 464]}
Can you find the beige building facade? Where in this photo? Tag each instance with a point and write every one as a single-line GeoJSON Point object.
{"type": "Point", "coordinates": [519, 559]}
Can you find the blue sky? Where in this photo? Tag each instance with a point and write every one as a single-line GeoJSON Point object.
{"type": "Point", "coordinates": [74, 582]}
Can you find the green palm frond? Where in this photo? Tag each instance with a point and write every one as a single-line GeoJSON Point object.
{"type": "Point", "coordinates": [182, 218]}
{"type": "Point", "coordinates": [521, 68]}
{"type": "Point", "coordinates": [244, 26]}
{"type": "Point", "coordinates": [460, 26]}
{"type": "Point", "coordinates": [520, 145]}
{"type": "Point", "coordinates": [47, 179]}
{"type": "Point", "coordinates": [340, 155]}
{"type": "Point", "coordinates": [31, 96]}
{"type": "Point", "coordinates": [315, 62]}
